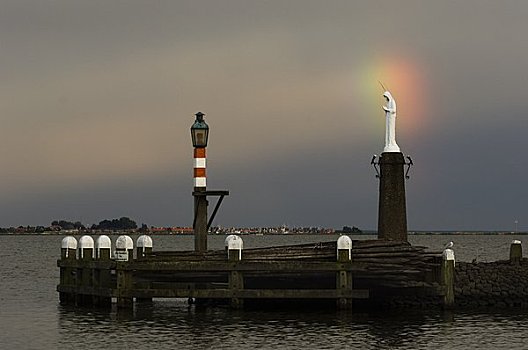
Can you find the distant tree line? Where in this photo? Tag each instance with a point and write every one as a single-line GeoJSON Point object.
{"type": "Point", "coordinates": [123, 223]}
{"type": "Point", "coordinates": [68, 225]}
{"type": "Point", "coordinates": [353, 229]}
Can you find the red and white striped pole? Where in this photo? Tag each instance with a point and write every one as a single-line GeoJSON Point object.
{"type": "Point", "coordinates": [200, 177]}
{"type": "Point", "coordinates": [200, 135]}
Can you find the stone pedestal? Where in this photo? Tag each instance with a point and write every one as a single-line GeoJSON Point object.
{"type": "Point", "coordinates": [392, 213]}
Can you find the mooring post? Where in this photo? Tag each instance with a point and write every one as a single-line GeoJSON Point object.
{"type": "Point", "coordinates": [85, 272]}
{"type": "Point", "coordinates": [448, 277]}
{"type": "Point", "coordinates": [67, 275]}
{"type": "Point", "coordinates": [236, 279]}
{"type": "Point", "coordinates": [143, 246]}
{"type": "Point", "coordinates": [102, 276]}
{"type": "Point", "coordinates": [344, 276]}
{"type": "Point", "coordinates": [124, 248]}
{"type": "Point", "coordinates": [516, 252]}
{"type": "Point", "coordinates": [103, 247]}
{"type": "Point", "coordinates": [124, 254]}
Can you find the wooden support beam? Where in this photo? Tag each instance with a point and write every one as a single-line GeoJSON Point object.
{"type": "Point", "coordinates": [261, 266]}
{"type": "Point", "coordinates": [124, 286]}
{"type": "Point", "coordinates": [222, 293]}
{"type": "Point", "coordinates": [249, 293]}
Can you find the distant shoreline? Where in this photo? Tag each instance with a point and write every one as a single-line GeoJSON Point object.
{"type": "Point", "coordinates": [367, 233]}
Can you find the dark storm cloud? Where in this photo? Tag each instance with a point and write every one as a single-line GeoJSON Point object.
{"type": "Point", "coordinates": [96, 98]}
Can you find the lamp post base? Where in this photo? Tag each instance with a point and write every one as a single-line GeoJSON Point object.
{"type": "Point", "coordinates": [200, 221]}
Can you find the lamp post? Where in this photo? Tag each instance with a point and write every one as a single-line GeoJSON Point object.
{"type": "Point", "coordinates": [199, 136]}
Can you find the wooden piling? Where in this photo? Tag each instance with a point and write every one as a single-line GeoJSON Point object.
{"type": "Point", "coordinates": [143, 248]}
{"type": "Point", "coordinates": [236, 278]}
{"type": "Point", "coordinates": [84, 272]}
{"type": "Point", "coordinates": [67, 274]}
{"type": "Point", "coordinates": [102, 278]}
{"type": "Point", "coordinates": [448, 278]}
{"type": "Point", "coordinates": [344, 276]}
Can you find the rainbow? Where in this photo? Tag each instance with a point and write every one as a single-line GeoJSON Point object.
{"type": "Point", "coordinates": [405, 78]}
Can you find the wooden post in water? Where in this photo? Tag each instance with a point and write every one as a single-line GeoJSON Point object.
{"type": "Point", "coordinates": [67, 274]}
{"type": "Point", "coordinates": [236, 279]}
{"type": "Point", "coordinates": [143, 246]}
{"type": "Point", "coordinates": [124, 253]}
{"type": "Point", "coordinates": [344, 277]}
{"type": "Point", "coordinates": [85, 273]}
{"type": "Point", "coordinates": [102, 277]}
{"type": "Point", "coordinates": [516, 252]}
{"type": "Point", "coordinates": [448, 277]}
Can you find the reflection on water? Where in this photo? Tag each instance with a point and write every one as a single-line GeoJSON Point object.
{"type": "Point", "coordinates": [31, 318]}
{"type": "Point", "coordinates": [173, 324]}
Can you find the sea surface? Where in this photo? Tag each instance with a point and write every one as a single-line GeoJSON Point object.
{"type": "Point", "coordinates": [31, 317]}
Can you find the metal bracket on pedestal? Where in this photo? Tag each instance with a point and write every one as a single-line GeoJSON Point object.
{"type": "Point", "coordinates": [375, 164]}
{"type": "Point", "coordinates": [409, 164]}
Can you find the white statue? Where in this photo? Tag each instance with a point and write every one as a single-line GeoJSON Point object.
{"type": "Point", "coordinates": [390, 126]}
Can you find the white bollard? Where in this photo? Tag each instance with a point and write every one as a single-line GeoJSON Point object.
{"type": "Point", "coordinates": [86, 247]}
{"type": "Point", "coordinates": [344, 248]}
{"type": "Point", "coordinates": [235, 245]}
{"type": "Point", "coordinates": [103, 247]}
{"type": "Point", "coordinates": [144, 245]}
{"type": "Point", "coordinates": [68, 247]}
{"type": "Point", "coordinates": [124, 248]}
{"type": "Point", "coordinates": [449, 254]}
{"type": "Point", "coordinates": [227, 239]}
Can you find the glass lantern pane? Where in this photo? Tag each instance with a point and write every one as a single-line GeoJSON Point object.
{"type": "Point", "coordinates": [200, 137]}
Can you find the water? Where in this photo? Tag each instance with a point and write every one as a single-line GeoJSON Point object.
{"type": "Point", "coordinates": [31, 317]}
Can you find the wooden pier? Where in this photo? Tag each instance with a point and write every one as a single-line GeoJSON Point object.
{"type": "Point", "coordinates": [373, 272]}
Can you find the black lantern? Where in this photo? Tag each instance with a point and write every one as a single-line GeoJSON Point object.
{"type": "Point", "coordinates": [199, 131]}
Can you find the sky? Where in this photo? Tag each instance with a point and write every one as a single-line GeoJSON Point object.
{"type": "Point", "coordinates": [97, 98]}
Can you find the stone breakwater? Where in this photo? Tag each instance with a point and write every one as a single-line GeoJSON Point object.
{"type": "Point", "coordinates": [491, 284]}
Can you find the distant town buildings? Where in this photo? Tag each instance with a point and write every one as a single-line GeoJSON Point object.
{"type": "Point", "coordinates": [176, 230]}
